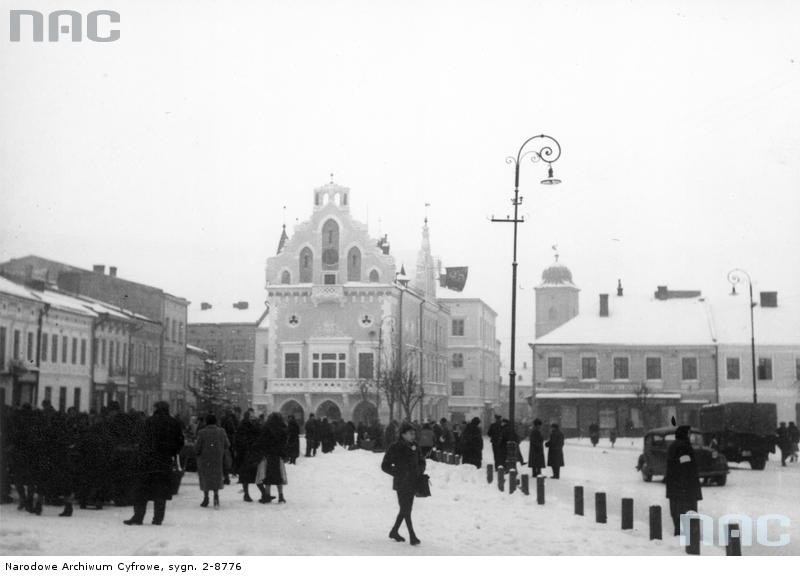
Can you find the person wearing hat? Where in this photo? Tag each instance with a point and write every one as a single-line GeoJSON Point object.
{"type": "Point", "coordinates": [472, 443]}
{"type": "Point", "coordinates": [555, 450]}
{"type": "Point", "coordinates": [682, 479]}
{"type": "Point", "coordinates": [536, 451]}
{"type": "Point", "coordinates": [404, 462]}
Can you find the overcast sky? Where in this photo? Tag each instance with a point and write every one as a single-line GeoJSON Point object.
{"type": "Point", "coordinates": [171, 152]}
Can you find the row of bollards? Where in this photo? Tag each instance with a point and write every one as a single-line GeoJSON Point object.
{"type": "Point", "coordinates": [445, 457]}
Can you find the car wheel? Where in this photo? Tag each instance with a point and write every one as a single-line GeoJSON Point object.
{"type": "Point", "coordinates": [647, 476]}
{"type": "Point", "coordinates": [758, 463]}
{"type": "Point", "coordinates": [722, 480]}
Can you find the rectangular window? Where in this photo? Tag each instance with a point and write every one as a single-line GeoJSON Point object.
{"type": "Point", "coordinates": [45, 341]}
{"type": "Point", "coordinates": [330, 279]}
{"type": "Point", "coordinates": [17, 336]}
{"type": "Point", "coordinates": [765, 368]}
{"type": "Point", "coordinates": [366, 364]}
{"type": "Point", "coordinates": [589, 368]}
{"type": "Point", "coordinates": [83, 353]}
{"type": "Point", "coordinates": [689, 368]}
{"type": "Point", "coordinates": [266, 354]}
{"type": "Point", "coordinates": [458, 360]}
{"type": "Point", "coordinates": [174, 331]}
{"type": "Point", "coordinates": [291, 365]}
{"type": "Point", "coordinates": [62, 398]}
{"type": "Point", "coordinates": [732, 369]}
{"type": "Point", "coordinates": [620, 368]}
{"type": "Point", "coordinates": [103, 345]}
{"type": "Point", "coordinates": [74, 350]}
{"type": "Point", "coordinates": [457, 388]}
{"type": "Point", "coordinates": [76, 399]}
{"type": "Point", "coordinates": [166, 330]}
{"type": "Point", "coordinates": [125, 357]}
{"type": "Point", "coordinates": [54, 348]}
{"type": "Point", "coordinates": [328, 365]}
{"type": "Point", "coordinates": [180, 333]}
{"type": "Point", "coordinates": [64, 346]}
{"type": "Point", "coordinates": [116, 355]}
{"type": "Point", "coordinates": [2, 347]}
{"type": "Point", "coordinates": [95, 350]}
{"type": "Point", "coordinates": [111, 347]}
{"type": "Point", "coordinates": [31, 348]}
{"type": "Point", "coordinates": [653, 368]}
{"type": "Point", "coordinates": [554, 367]}
{"type": "Point", "coordinates": [458, 327]}
{"type": "Point", "coordinates": [48, 393]}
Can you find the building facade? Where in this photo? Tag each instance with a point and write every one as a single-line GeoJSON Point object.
{"type": "Point", "coordinates": [474, 360]}
{"type": "Point", "coordinates": [338, 317]}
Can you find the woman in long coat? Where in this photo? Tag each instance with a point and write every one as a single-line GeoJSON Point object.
{"type": "Point", "coordinates": [471, 443]}
{"type": "Point", "coordinates": [246, 452]}
{"type": "Point", "coordinates": [293, 440]}
{"type": "Point", "coordinates": [555, 452]}
{"type": "Point", "coordinates": [274, 442]}
{"type": "Point", "coordinates": [210, 446]}
{"type": "Point", "coordinates": [536, 450]}
{"type": "Point", "coordinates": [405, 463]}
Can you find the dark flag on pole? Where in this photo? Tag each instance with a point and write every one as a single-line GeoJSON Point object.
{"type": "Point", "coordinates": [455, 278]}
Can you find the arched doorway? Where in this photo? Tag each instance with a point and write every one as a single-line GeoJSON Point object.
{"type": "Point", "coordinates": [293, 408]}
{"type": "Point", "coordinates": [365, 412]}
{"type": "Point", "coordinates": [329, 410]}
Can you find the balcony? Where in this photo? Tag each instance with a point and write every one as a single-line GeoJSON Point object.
{"type": "Point", "coordinates": [312, 386]}
{"type": "Point", "coordinates": [327, 293]}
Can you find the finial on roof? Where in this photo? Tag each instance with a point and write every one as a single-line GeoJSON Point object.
{"type": "Point", "coordinates": [427, 205]}
{"type": "Point", "coordinates": [555, 249]}
{"type": "Point", "coordinates": [331, 177]}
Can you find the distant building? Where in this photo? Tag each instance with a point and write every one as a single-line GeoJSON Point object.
{"type": "Point", "coordinates": [159, 348]}
{"type": "Point", "coordinates": [340, 314]}
{"type": "Point", "coordinates": [228, 334]}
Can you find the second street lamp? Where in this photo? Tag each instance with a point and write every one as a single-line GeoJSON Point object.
{"type": "Point", "coordinates": [547, 149]}
{"type": "Point", "coordinates": [735, 276]}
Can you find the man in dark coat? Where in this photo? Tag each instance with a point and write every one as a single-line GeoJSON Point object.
{"type": "Point", "coordinates": [555, 452]}
{"type": "Point", "coordinates": [536, 450]}
{"type": "Point", "coordinates": [311, 436]}
{"type": "Point", "coordinates": [682, 479]}
{"type": "Point", "coordinates": [405, 463]}
{"type": "Point", "coordinates": [495, 437]}
{"type": "Point", "coordinates": [293, 440]}
{"type": "Point", "coordinates": [471, 443]}
{"type": "Point", "coordinates": [162, 440]}
{"type": "Point", "coordinates": [248, 456]}
{"type": "Point", "coordinates": [784, 442]}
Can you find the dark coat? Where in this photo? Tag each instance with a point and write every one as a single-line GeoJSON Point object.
{"type": "Point", "coordinates": [212, 442]}
{"type": "Point", "coordinates": [555, 452]}
{"type": "Point", "coordinates": [471, 445]}
{"type": "Point", "coordinates": [682, 480]}
{"type": "Point", "coordinates": [162, 440]}
{"type": "Point", "coordinates": [293, 439]}
{"type": "Point", "coordinates": [405, 463]}
{"type": "Point", "coordinates": [273, 443]}
{"type": "Point", "coordinates": [536, 450]}
{"type": "Point", "coordinates": [247, 455]}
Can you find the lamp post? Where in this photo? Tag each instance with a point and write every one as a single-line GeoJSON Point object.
{"type": "Point", "coordinates": [736, 276]}
{"type": "Point", "coordinates": [547, 149]}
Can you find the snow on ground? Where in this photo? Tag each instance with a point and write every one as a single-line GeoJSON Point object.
{"type": "Point", "coordinates": [342, 504]}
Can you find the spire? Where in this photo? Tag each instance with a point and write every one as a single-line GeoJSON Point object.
{"type": "Point", "coordinates": [284, 237]}
{"type": "Point", "coordinates": [425, 278]}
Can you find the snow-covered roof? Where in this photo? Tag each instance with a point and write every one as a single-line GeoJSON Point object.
{"type": "Point", "coordinates": [601, 395]}
{"type": "Point", "coordinates": [772, 326]}
{"type": "Point", "coordinates": [225, 313]}
{"type": "Point", "coordinates": [14, 289]}
{"type": "Point", "coordinates": [638, 320]}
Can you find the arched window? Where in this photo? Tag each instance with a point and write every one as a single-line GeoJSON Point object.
{"type": "Point", "coordinates": [286, 278]}
{"type": "Point", "coordinates": [374, 276]}
{"type": "Point", "coordinates": [354, 265]}
{"type": "Point", "coordinates": [330, 245]}
{"type": "Point", "coordinates": [552, 314]}
{"type": "Point", "coordinates": [306, 265]}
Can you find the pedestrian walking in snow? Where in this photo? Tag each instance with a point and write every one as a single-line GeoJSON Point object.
{"type": "Point", "coordinates": [471, 443]}
{"type": "Point", "coordinates": [794, 438]}
{"type": "Point", "coordinates": [446, 438]}
{"type": "Point", "coordinates": [293, 440]}
{"type": "Point", "coordinates": [404, 462]}
{"type": "Point", "coordinates": [210, 446]}
{"type": "Point", "coordinates": [612, 436]}
{"type": "Point", "coordinates": [247, 453]}
{"type": "Point", "coordinates": [681, 478]}
{"type": "Point", "coordinates": [555, 450]}
{"type": "Point", "coordinates": [536, 449]}
{"type": "Point", "coordinates": [784, 442]}
{"type": "Point", "coordinates": [312, 441]}
{"type": "Point", "coordinates": [594, 434]}
{"type": "Point", "coordinates": [495, 437]}
{"type": "Point", "coordinates": [273, 442]}
{"type": "Point", "coordinates": [161, 443]}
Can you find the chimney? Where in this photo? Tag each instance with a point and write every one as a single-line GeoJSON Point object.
{"type": "Point", "coordinates": [112, 271]}
{"type": "Point", "coordinates": [619, 287]}
{"type": "Point", "coordinates": [661, 293]}
{"type": "Point", "coordinates": [205, 306]}
{"type": "Point", "coordinates": [769, 299]}
{"type": "Point", "coordinates": [99, 268]}
{"type": "Point", "coordinates": [604, 305]}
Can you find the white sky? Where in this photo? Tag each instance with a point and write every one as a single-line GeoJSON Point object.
{"type": "Point", "coordinates": [171, 152]}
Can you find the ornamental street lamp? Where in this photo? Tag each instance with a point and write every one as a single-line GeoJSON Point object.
{"type": "Point", "coordinates": [547, 149]}
{"type": "Point", "coordinates": [736, 276]}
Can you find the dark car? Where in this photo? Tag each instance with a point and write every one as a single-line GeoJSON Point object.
{"type": "Point", "coordinates": [711, 465]}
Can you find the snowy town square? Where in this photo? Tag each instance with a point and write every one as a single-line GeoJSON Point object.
{"type": "Point", "coordinates": [481, 286]}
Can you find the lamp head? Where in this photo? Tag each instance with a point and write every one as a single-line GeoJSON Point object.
{"type": "Point", "coordinates": [550, 181]}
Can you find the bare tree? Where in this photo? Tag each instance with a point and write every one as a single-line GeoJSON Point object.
{"type": "Point", "coordinates": [409, 390]}
{"type": "Point", "coordinates": [388, 384]}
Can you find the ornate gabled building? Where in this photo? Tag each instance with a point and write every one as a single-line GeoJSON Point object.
{"type": "Point", "coordinates": [339, 315]}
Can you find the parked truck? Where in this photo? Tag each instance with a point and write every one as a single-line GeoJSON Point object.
{"type": "Point", "coordinates": [742, 431]}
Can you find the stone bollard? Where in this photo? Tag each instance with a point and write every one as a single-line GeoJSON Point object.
{"type": "Point", "coordinates": [734, 545]}
{"type": "Point", "coordinates": [655, 523]}
{"type": "Point", "coordinates": [458, 459]}
{"type": "Point", "coordinates": [693, 547]}
{"type": "Point", "coordinates": [512, 481]}
{"type": "Point", "coordinates": [579, 500]}
{"type": "Point", "coordinates": [525, 486]}
{"type": "Point", "coordinates": [540, 490]}
{"type": "Point", "coordinates": [451, 458]}
{"type": "Point", "coordinates": [627, 513]}
{"type": "Point", "coordinates": [600, 515]}
{"type": "Point", "coordinates": [489, 473]}
{"type": "Point", "coordinates": [501, 480]}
